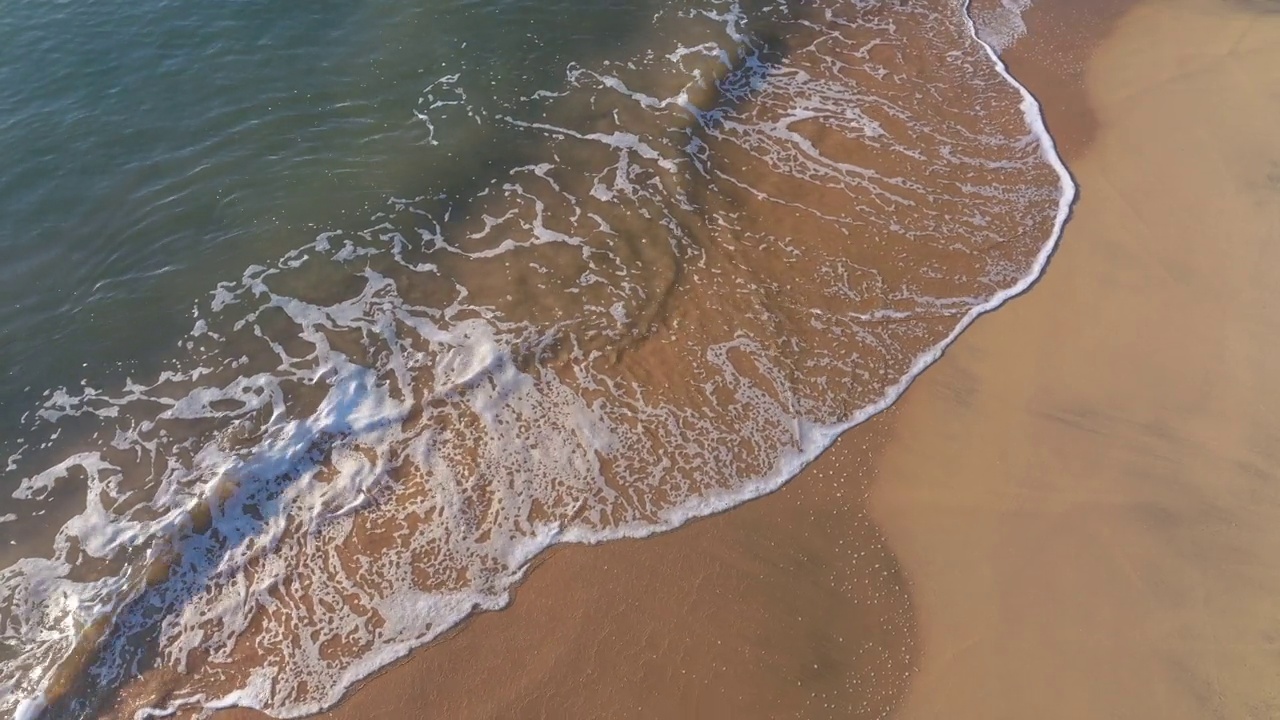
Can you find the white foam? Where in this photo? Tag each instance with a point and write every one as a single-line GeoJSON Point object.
{"type": "Point", "coordinates": [30, 708]}
{"type": "Point", "coordinates": [1002, 27]}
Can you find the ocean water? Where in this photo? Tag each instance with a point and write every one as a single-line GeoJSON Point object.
{"type": "Point", "coordinates": [320, 323]}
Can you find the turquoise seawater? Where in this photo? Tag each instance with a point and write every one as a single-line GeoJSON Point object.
{"type": "Point", "coordinates": [152, 149]}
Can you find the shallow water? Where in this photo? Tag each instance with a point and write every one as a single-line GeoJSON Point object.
{"type": "Point", "coordinates": [155, 148]}
{"type": "Point", "coordinates": [371, 306]}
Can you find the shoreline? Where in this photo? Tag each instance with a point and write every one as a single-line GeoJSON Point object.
{"type": "Point", "coordinates": [750, 611]}
{"type": "Point", "coordinates": [572, 563]}
{"type": "Point", "coordinates": [566, 568]}
{"type": "Point", "coordinates": [322, 688]}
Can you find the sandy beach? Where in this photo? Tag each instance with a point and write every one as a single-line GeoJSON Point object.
{"type": "Point", "coordinates": [1074, 514]}
{"type": "Point", "coordinates": [1084, 492]}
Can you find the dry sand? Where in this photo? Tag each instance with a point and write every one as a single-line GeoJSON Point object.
{"type": "Point", "coordinates": [1083, 496]}
{"type": "Point", "coordinates": [1085, 492]}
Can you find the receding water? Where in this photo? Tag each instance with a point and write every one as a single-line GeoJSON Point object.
{"type": "Point", "coordinates": [319, 323]}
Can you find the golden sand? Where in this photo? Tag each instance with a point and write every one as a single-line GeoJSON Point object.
{"type": "Point", "coordinates": [1085, 493]}
{"type": "Point", "coordinates": [1081, 497]}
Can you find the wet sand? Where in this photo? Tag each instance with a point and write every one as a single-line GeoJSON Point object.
{"type": "Point", "coordinates": [787, 607]}
{"type": "Point", "coordinates": [1079, 500]}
